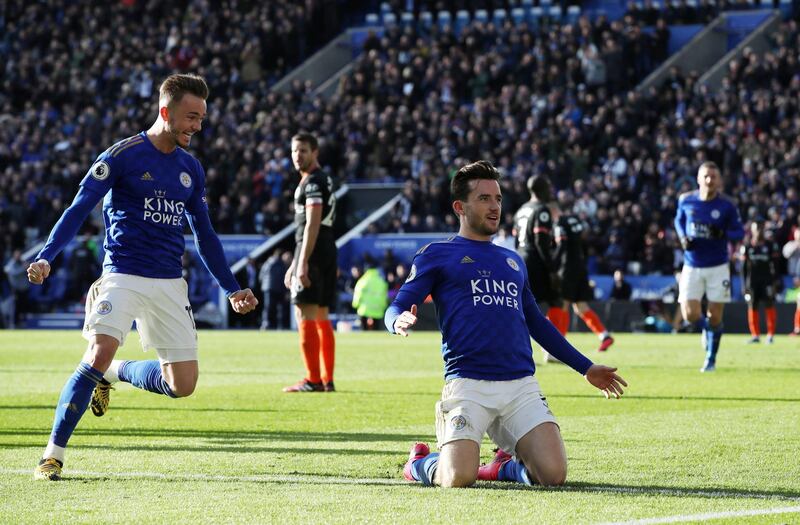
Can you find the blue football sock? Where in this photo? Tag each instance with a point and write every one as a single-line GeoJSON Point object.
{"type": "Point", "coordinates": [75, 397]}
{"type": "Point", "coordinates": [513, 471]}
{"type": "Point", "coordinates": [712, 342]}
{"type": "Point", "coordinates": [145, 375]}
{"type": "Point", "coordinates": [424, 469]}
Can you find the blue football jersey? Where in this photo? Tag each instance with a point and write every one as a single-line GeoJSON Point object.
{"type": "Point", "coordinates": [698, 220]}
{"type": "Point", "coordinates": [146, 194]}
{"type": "Point", "coordinates": [485, 309]}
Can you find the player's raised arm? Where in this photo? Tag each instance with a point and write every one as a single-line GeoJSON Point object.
{"type": "Point", "coordinates": [402, 313]}
{"type": "Point", "coordinates": [212, 254]}
{"type": "Point", "coordinates": [64, 231]}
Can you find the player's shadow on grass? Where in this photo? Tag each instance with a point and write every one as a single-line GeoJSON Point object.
{"type": "Point", "coordinates": [153, 408]}
{"type": "Point", "coordinates": [649, 490]}
{"type": "Point", "coordinates": [682, 398]}
{"type": "Point", "coordinates": [228, 436]}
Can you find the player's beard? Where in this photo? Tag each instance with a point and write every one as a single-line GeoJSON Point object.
{"type": "Point", "coordinates": [481, 226]}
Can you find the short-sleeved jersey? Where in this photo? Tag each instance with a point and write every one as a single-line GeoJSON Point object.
{"type": "Point", "coordinates": [485, 308]}
{"type": "Point", "coordinates": [534, 224]}
{"type": "Point", "coordinates": [758, 263]}
{"type": "Point", "coordinates": [316, 190]}
{"type": "Point", "coordinates": [570, 254]}
{"type": "Point", "coordinates": [696, 219]}
{"type": "Point", "coordinates": [147, 194]}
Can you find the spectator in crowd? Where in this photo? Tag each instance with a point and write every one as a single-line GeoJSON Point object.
{"type": "Point", "coordinates": [17, 274]}
{"type": "Point", "coordinates": [621, 290]}
{"type": "Point", "coordinates": [275, 294]}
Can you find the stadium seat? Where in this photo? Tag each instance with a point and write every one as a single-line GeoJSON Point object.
{"type": "Point", "coordinates": [386, 7]}
{"type": "Point", "coordinates": [372, 19]}
{"type": "Point", "coordinates": [554, 13]}
{"type": "Point", "coordinates": [535, 17]}
{"type": "Point", "coordinates": [518, 15]}
{"type": "Point", "coordinates": [406, 19]}
{"type": "Point", "coordinates": [389, 19]}
{"type": "Point", "coordinates": [527, 4]}
{"type": "Point", "coordinates": [462, 21]}
{"type": "Point", "coordinates": [444, 19]}
{"type": "Point", "coordinates": [573, 14]}
{"type": "Point", "coordinates": [481, 15]}
{"type": "Point", "coordinates": [545, 4]}
{"type": "Point", "coordinates": [499, 17]}
{"type": "Point", "coordinates": [425, 20]}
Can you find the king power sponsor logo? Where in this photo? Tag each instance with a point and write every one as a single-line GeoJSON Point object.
{"type": "Point", "coordinates": [161, 210]}
{"type": "Point", "coordinates": [493, 292]}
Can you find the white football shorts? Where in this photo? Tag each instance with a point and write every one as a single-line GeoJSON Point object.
{"type": "Point", "coordinates": [505, 410]}
{"type": "Point", "coordinates": [160, 308]}
{"type": "Point", "coordinates": [714, 282]}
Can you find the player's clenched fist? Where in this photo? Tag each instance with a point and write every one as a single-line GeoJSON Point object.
{"type": "Point", "coordinates": [38, 271]}
{"type": "Point", "coordinates": [243, 301]}
{"type": "Point", "coordinates": [405, 321]}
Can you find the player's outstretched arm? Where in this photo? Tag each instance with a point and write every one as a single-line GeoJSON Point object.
{"type": "Point", "coordinates": [38, 271]}
{"type": "Point", "coordinates": [243, 301]}
{"type": "Point", "coordinates": [606, 379]}
{"type": "Point", "coordinates": [405, 321]}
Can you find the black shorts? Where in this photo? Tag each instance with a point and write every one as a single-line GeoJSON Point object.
{"type": "Point", "coordinates": [542, 286]}
{"type": "Point", "coordinates": [761, 294]}
{"type": "Point", "coordinates": [322, 292]}
{"type": "Point", "coordinates": [575, 287]}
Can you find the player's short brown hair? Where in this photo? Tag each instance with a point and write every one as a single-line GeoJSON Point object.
{"type": "Point", "coordinates": [306, 138]}
{"type": "Point", "coordinates": [480, 170]}
{"type": "Point", "coordinates": [176, 86]}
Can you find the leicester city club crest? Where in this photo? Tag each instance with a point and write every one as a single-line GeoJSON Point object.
{"type": "Point", "coordinates": [103, 307]}
{"type": "Point", "coordinates": [186, 179]}
{"type": "Point", "coordinates": [513, 264]}
{"type": "Point", "coordinates": [458, 422]}
{"type": "Point", "coordinates": [715, 214]}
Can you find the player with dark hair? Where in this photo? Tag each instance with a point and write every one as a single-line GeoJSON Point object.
{"type": "Point", "coordinates": [759, 275]}
{"type": "Point", "coordinates": [705, 222]}
{"type": "Point", "coordinates": [574, 276]}
{"type": "Point", "coordinates": [149, 184]}
{"type": "Point", "coordinates": [533, 228]}
{"type": "Point", "coordinates": [487, 315]}
{"type": "Point", "coordinates": [311, 277]}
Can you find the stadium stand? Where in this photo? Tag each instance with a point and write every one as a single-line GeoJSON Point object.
{"type": "Point", "coordinates": [537, 93]}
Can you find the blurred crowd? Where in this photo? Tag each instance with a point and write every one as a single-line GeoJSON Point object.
{"type": "Point", "coordinates": [557, 100]}
{"type": "Point", "coordinates": [78, 76]}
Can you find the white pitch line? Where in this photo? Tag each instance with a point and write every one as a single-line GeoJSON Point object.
{"type": "Point", "coordinates": [709, 516]}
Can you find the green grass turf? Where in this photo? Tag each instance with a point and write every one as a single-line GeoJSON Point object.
{"type": "Point", "coordinates": [679, 443]}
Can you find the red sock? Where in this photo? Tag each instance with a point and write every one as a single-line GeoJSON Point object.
{"type": "Point", "coordinates": [556, 316]}
{"type": "Point", "coordinates": [564, 328]}
{"type": "Point", "coordinates": [753, 321]}
{"type": "Point", "coordinates": [772, 317]}
{"type": "Point", "coordinates": [327, 348]}
{"type": "Point", "coordinates": [797, 319]}
{"type": "Point", "coordinates": [309, 347]}
{"type": "Point", "coordinates": [593, 322]}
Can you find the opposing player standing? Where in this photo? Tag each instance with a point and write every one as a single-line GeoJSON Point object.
{"type": "Point", "coordinates": [705, 222]}
{"type": "Point", "coordinates": [574, 276]}
{"type": "Point", "coordinates": [487, 315]}
{"type": "Point", "coordinates": [759, 275]}
{"type": "Point", "coordinates": [148, 184]}
{"type": "Point", "coordinates": [311, 277]}
{"type": "Point", "coordinates": [533, 228]}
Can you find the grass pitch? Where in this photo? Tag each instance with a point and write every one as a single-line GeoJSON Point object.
{"type": "Point", "coordinates": [681, 446]}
